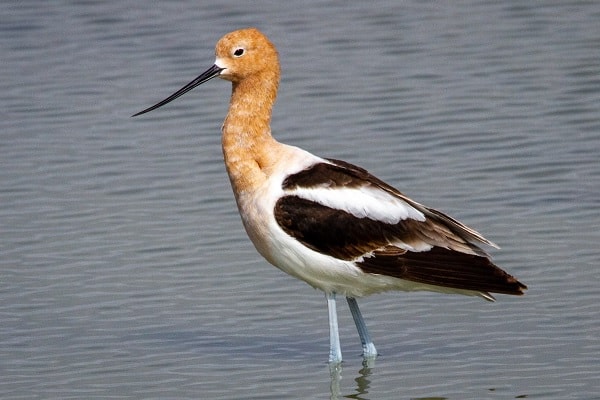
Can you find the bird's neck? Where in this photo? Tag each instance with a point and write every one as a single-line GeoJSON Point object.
{"type": "Point", "coordinates": [248, 147]}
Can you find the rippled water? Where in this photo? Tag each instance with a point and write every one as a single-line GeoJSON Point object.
{"type": "Point", "coordinates": [125, 271]}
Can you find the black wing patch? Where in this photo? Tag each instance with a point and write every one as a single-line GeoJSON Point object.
{"type": "Point", "coordinates": [338, 174]}
{"type": "Point", "coordinates": [335, 232]}
{"type": "Point", "coordinates": [443, 267]}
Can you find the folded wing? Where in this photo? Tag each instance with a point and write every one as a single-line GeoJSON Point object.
{"type": "Point", "coordinates": [341, 210]}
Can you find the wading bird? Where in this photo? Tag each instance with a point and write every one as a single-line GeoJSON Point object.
{"type": "Point", "coordinates": [327, 222]}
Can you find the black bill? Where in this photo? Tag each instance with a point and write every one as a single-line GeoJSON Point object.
{"type": "Point", "coordinates": [203, 77]}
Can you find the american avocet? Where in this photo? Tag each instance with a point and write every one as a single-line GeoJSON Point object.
{"type": "Point", "coordinates": [327, 222]}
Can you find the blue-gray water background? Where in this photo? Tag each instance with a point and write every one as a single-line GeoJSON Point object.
{"type": "Point", "coordinates": [124, 269]}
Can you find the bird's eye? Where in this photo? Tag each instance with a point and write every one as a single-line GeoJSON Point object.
{"type": "Point", "coordinates": [238, 52]}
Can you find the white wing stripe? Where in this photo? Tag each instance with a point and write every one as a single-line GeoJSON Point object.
{"type": "Point", "coordinates": [362, 202]}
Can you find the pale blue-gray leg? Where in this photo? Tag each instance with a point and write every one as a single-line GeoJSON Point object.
{"type": "Point", "coordinates": [335, 351]}
{"type": "Point", "coordinates": [369, 350]}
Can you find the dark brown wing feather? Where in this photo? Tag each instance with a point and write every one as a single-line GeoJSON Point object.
{"type": "Point", "coordinates": [442, 267]}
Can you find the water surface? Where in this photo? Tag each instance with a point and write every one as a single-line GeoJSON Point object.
{"type": "Point", "coordinates": [125, 271]}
